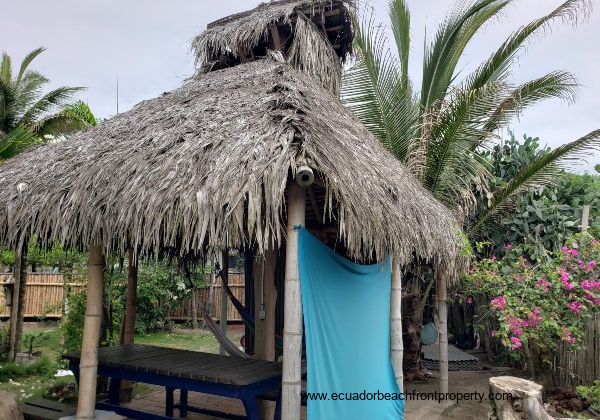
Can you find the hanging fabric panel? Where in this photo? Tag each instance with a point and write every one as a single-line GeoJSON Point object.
{"type": "Point", "coordinates": [347, 321]}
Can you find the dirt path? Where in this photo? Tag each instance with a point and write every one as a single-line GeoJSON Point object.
{"type": "Point", "coordinates": [465, 383]}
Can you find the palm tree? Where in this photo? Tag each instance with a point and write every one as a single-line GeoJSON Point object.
{"type": "Point", "coordinates": [440, 130]}
{"type": "Point", "coordinates": [26, 113]}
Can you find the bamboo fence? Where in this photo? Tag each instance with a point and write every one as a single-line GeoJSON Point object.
{"type": "Point", "coordinates": [572, 368]}
{"type": "Point", "coordinates": [45, 295]}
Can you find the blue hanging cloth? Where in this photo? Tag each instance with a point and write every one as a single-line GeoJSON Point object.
{"type": "Point", "coordinates": [347, 321]}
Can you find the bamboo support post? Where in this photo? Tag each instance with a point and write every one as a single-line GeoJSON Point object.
{"type": "Point", "coordinates": [88, 367]}
{"type": "Point", "coordinates": [224, 297]}
{"type": "Point", "coordinates": [442, 311]}
{"type": "Point", "coordinates": [292, 334]}
{"type": "Point", "coordinates": [397, 346]}
{"type": "Point", "coordinates": [17, 309]}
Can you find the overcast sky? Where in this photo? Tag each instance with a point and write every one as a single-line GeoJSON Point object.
{"type": "Point", "coordinates": [145, 43]}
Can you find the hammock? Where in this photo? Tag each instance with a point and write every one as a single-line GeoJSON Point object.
{"type": "Point", "coordinates": [223, 340]}
{"type": "Point", "coordinates": [247, 316]}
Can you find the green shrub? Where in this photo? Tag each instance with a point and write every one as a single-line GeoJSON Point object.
{"type": "Point", "coordinates": [42, 366]}
{"type": "Point", "coordinates": [4, 343]}
{"type": "Point", "coordinates": [591, 393]}
{"type": "Point", "coordinates": [72, 322]}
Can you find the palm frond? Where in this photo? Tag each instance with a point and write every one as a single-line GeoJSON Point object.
{"type": "Point", "coordinates": [6, 68]}
{"type": "Point", "coordinates": [27, 61]}
{"type": "Point", "coordinates": [442, 56]}
{"type": "Point", "coordinates": [558, 84]}
{"type": "Point", "coordinates": [497, 66]}
{"type": "Point", "coordinates": [452, 167]}
{"type": "Point", "coordinates": [373, 90]}
{"type": "Point", "coordinates": [46, 103]}
{"type": "Point", "coordinates": [16, 141]}
{"type": "Point", "coordinates": [400, 19]}
{"type": "Point", "coordinates": [541, 172]}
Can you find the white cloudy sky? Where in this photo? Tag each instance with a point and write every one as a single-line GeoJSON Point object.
{"type": "Point", "coordinates": [146, 44]}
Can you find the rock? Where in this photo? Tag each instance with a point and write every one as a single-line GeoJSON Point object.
{"type": "Point", "coordinates": [9, 409]}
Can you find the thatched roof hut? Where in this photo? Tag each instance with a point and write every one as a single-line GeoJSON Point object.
{"type": "Point", "coordinates": [208, 164]}
{"type": "Point", "coordinates": [213, 165]}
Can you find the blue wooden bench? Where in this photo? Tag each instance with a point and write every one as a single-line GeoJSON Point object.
{"type": "Point", "coordinates": [243, 379]}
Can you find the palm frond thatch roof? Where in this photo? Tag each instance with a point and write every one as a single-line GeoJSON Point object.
{"type": "Point", "coordinates": [208, 164]}
{"type": "Point", "coordinates": [318, 33]}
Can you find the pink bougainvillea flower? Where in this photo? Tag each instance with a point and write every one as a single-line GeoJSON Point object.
{"type": "Point", "coordinates": [568, 337]}
{"type": "Point", "coordinates": [590, 284]}
{"type": "Point", "coordinates": [508, 246]}
{"type": "Point", "coordinates": [470, 300]}
{"type": "Point", "coordinates": [515, 343]}
{"type": "Point", "coordinates": [544, 284]}
{"type": "Point", "coordinates": [520, 277]}
{"type": "Point", "coordinates": [494, 258]}
{"type": "Point", "coordinates": [534, 318]}
{"type": "Point", "coordinates": [591, 266]}
{"type": "Point", "coordinates": [575, 307]}
{"type": "Point", "coordinates": [493, 333]}
{"type": "Point", "coordinates": [499, 303]}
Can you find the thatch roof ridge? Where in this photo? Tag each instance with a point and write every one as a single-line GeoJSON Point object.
{"type": "Point", "coordinates": [208, 164]}
{"type": "Point", "coordinates": [243, 31]}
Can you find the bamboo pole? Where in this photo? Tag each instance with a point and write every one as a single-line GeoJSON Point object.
{"type": "Point", "coordinates": [224, 297]}
{"type": "Point", "coordinates": [17, 309]}
{"type": "Point", "coordinates": [396, 318]}
{"type": "Point", "coordinates": [442, 311]}
{"type": "Point", "coordinates": [292, 330]}
{"type": "Point", "coordinates": [88, 366]}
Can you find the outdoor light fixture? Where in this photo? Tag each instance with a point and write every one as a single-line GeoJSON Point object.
{"type": "Point", "coordinates": [9, 286]}
{"type": "Point", "coordinates": [305, 176]}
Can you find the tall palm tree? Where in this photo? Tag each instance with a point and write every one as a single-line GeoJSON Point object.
{"type": "Point", "coordinates": [439, 130]}
{"type": "Point", "coordinates": [27, 114]}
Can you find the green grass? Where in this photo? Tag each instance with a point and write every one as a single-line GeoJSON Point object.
{"type": "Point", "coordinates": [199, 340]}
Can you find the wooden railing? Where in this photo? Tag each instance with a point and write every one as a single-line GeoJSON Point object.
{"type": "Point", "coordinates": [45, 295]}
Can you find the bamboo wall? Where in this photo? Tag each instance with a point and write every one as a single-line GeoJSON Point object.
{"type": "Point", "coordinates": [572, 368]}
{"type": "Point", "coordinates": [45, 295]}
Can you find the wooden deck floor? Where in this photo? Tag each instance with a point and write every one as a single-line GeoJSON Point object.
{"type": "Point", "coordinates": [155, 403]}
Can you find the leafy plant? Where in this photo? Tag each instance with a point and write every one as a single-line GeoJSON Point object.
{"type": "Point", "coordinates": [590, 393]}
{"type": "Point", "coordinates": [32, 341]}
{"type": "Point", "coordinates": [545, 303]}
{"type": "Point", "coordinates": [72, 321]}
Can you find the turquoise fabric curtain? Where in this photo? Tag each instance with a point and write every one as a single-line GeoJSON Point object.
{"type": "Point", "coordinates": [347, 322]}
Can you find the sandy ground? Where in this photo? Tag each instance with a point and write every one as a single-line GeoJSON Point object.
{"type": "Point", "coordinates": [459, 382]}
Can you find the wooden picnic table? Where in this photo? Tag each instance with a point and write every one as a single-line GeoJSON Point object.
{"type": "Point", "coordinates": [243, 379]}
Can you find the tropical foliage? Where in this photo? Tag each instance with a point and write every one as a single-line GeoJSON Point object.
{"type": "Point", "coordinates": [440, 129]}
{"type": "Point", "coordinates": [27, 114]}
{"type": "Point", "coordinates": [538, 304]}
{"type": "Point", "coordinates": [541, 220]}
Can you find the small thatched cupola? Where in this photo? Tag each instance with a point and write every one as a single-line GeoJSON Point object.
{"type": "Point", "coordinates": [314, 36]}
